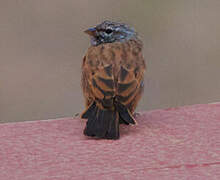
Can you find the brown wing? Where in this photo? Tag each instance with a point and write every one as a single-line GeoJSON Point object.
{"type": "Point", "coordinates": [130, 87]}
{"type": "Point", "coordinates": [98, 82]}
{"type": "Point", "coordinates": [131, 74]}
{"type": "Point", "coordinates": [85, 84]}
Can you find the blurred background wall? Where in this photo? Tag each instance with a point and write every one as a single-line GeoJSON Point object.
{"type": "Point", "coordinates": [42, 44]}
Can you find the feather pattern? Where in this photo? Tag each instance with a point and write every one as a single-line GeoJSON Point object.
{"type": "Point", "coordinates": [113, 78]}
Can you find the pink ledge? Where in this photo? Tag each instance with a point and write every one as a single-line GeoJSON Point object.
{"type": "Point", "coordinates": [175, 143]}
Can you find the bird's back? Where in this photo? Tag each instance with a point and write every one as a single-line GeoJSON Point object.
{"type": "Point", "coordinates": [114, 70]}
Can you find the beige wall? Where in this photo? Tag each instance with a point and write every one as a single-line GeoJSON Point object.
{"type": "Point", "coordinates": [42, 44]}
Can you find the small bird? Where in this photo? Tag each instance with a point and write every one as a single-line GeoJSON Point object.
{"type": "Point", "coordinates": [112, 78]}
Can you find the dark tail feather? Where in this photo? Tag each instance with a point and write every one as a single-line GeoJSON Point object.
{"type": "Point", "coordinates": [125, 114]}
{"type": "Point", "coordinates": [102, 123]}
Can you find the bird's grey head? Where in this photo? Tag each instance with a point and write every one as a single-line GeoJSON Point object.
{"type": "Point", "coordinates": [109, 32]}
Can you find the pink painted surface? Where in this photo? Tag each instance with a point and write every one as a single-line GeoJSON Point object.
{"type": "Point", "coordinates": [175, 143]}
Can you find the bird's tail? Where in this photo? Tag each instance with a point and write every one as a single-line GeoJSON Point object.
{"type": "Point", "coordinates": [104, 123]}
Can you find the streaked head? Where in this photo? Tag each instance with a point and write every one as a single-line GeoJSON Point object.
{"type": "Point", "coordinates": [109, 32]}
